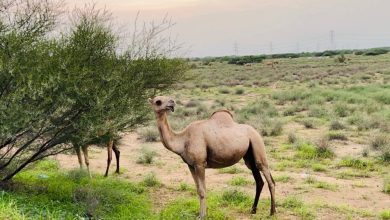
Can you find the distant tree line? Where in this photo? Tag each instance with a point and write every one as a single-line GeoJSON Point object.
{"type": "Point", "coordinates": [241, 60]}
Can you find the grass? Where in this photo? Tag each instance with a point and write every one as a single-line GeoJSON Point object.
{"type": "Point", "coordinates": [356, 163]}
{"type": "Point", "coordinates": [230, 170]}
{"type": "Point", "coordinates": [385, 215]}
{"type": "Point", "coordinates": [239, 181]}
{"type": "Point", "coordinates": [310, 151]}
{"type": "Point", "coordinates": [283, 178]}
{"type": "Point", "coordinates": [386, 185]}
{"type": "Point", "coordinates": [73, 195]}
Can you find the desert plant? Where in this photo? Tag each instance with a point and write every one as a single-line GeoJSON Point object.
{"type": "Point", "coordinates": [149, 134]}
{"type": "Point", "coordinates": [335, 135]}
{"type": "Point", "coordinates": [147, 155]}
{"type": "Point", "coordinates": [150, 180]}
{"type": "Point", "coordinates": [292, 138]}
{"type": "Point", "coordinates": [336, 125]}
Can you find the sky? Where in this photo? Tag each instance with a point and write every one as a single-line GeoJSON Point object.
{"type": "Point", "coordinates": [243, 27]}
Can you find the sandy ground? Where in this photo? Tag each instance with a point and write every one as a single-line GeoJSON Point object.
{"type": "Point", "coordinates": [171, 171]}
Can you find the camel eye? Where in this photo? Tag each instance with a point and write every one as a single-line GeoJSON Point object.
{"type": "Point", "coordinates": [158, 102]}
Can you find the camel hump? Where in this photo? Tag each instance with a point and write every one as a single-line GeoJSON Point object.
{"type": "Point", "coordinates": [222, 114]}
{"type": "Point", "coordinates": [222, 110]}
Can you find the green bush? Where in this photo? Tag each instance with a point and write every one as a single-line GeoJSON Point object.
{"type": "Point", "coordinates": [150, 180]}
{"type": "Point", "coordinates": [147, 156]}
{"type": "Point", "coordinates": [335, 135]}
{"type": "Point", "coordinates": [149, 134]}
{"type": "Point", "coordinates": [336, 125]}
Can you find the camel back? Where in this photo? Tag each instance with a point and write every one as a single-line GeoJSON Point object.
{"type": "Point", "coordinates": [222, 110]}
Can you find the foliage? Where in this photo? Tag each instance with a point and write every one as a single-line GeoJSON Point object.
{"type": "Point", "coordinates": [75, 89]}
{"type": "Point", "coordinates": [40, 193]}
{"type": "Point", "coordinates": [147, 155]}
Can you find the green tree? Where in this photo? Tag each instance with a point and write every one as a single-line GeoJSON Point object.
{"type": "Point", "coordinates": [76, 88]}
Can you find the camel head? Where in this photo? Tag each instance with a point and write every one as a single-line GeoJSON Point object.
{"type": "Point", "coordinates": [162, 104]}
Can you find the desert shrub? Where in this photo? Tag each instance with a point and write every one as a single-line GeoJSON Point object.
{"type": "Point", "coordinates": [379, 141]}
{"type": "Point", "coordinates": [341, 109]}
{"type": "Point", "coordinates": [292, 138]}
{"type": "Point", "coordinates": [335, 135]}
{"type": "Point", "coordinates": [317, 111]}
{"type": "Point", "coordinates": [149, 134]}
{"type": "Point", "coordinates": [150, 180]}
{"type": "Point", "coordinates": [336, 125]}
{"type": "Point", "coordinates": [147, 155]}
{"type": "Point", "coordinates": [261, 108]}
{"type": "Point", "coordinates": [318, 167]}
{"type": "Point", "coordinates": [224, 91]}
{"type": "Point", "coordinates": [308, 123]}
{"type": "Point", "coordinates": [235, 197]}
{"type": "Point", "coordinates": [310, 151]}
{"type": "Point", "coordinates": [270, 127]}
{"type": "Point", "coordinates": [192, 103]}
{"type": "Point", "coordinates": [341, 59]}
{"type": "Point", "coordinates": [239, 91]}
{"type": "Point", "coordinates": [355, 163]}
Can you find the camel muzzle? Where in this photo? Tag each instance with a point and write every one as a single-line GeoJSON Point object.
{"type": "Point", "coordinates": [171, 108]}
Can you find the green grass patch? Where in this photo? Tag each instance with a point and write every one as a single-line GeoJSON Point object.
{"type": "Point", "coordinates": [356, 163]}
{"type": "Point", "coordinates": [283, 178]}
{"type": "Point", "coordinates": [239, 181]}
{"type": "Point", "coordinates": [45, 192]}
{"type": "Point", "coordinates": [230, 170]}
{"type": "Point", "coordinates": [385, 215]}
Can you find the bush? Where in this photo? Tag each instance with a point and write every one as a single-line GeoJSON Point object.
{"type": "Point", "coordinates": [239, 91]}
{"type": "Point", "coordinates": [386, 185]}
{"type": "Point", "coordinates": [234, 197]}
{"type": "Point", "coordinates": [334, 135]}
{"type": "Point", "coordinates": [336, 125]}
{"type": "Point", "coordinates": [375, 52]}
{"type": "Point", "coordinates": [147, 156]}
{"type": "Point", "coordinates": [149, 134]}
{"type": "Point", "coordinates": [308, 123]}
{"type": "Point", "coordinates": [151, 180]}
{"type": "Point", "coordinates": [292, 138]}
{"type": "Point", "coordinates": [380, 141]}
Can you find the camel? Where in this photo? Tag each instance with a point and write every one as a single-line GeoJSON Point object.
{"type": "Point", "coordinates": [111, 146]}
{"type": "Point", "coordinates": [217, 142]}
{"type": "Point", "coordinates": [272, 63]}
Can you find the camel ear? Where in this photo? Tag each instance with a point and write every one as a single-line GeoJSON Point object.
{"type": "Point", "coordinates": [150, 100]}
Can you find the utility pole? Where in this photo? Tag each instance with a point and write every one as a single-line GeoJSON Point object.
{"type": "Point", "coordinates": [270, 48]}
{"type": "Point", "coordinates": [235, 48]}
{"type": "Point", "coordinates": [332, 40]}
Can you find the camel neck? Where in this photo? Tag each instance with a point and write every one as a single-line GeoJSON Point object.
{"type": "Point", "coordinates": [170, 139]}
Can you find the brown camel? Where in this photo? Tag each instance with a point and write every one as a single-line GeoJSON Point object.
{"type": "Point", "coordinates": [111, 146]}
{"type": "Point", "coordinates": [215, 143]}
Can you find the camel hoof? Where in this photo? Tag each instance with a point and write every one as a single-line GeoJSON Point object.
{"type": "Point", "coordinates": [253, 211]}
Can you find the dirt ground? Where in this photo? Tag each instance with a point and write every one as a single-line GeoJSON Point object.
{"type": "Point", "coordinates": [171, 171]}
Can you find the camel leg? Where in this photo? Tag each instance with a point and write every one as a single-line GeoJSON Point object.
{"type": "Point", "coordinates": [78, 152]}
{"type": "Point", "coordinates": [117, 155]}
{"type": "Point", "coordinates": [250, 163]}
{"type": "Point", "coordinates": [271, 186]}
{"type": "Point", "coordinates": [198, 173]}
{"type": "Point", "coordinates": [86, 158]}
{"type": "Point", "coordinates": [109, 156]}
{"type": "Point", "coordinates": [259, 155]}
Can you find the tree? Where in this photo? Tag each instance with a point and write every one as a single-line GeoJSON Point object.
{"type": "Point", "coordinates": [77, 88]}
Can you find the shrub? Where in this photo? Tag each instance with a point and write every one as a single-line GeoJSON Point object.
{"type": "Point", "coordinates": [355, 163]}
{"type": "Point", "coordinates": [375, 52]}
{"type": "Point", "coordinates": [334, 135]}
{"type": "Point", "coordinates": [309, 151]}
{"type": "Point", "coordinates": [239, 91]}
{"type": "Point", "coordinates": [224, 91]}
{"type": "Point", "coordinates": [308, 123]}
{"type": "Point", "coordinates": [149, 134]}
{"type": "Point", "coordinates": [151, 180]}
{"type": "Point", "coordinates": [379, 141]}
{"type": "Point", "coordinates": [192, 103]}
{"type": "Point", "coordinates": [147, 155]}
{"type": "Point", "coordinates": [234, 197]}
{"type": "Point", "coordinates": [231, 170]}
{"type": "Point", "coordinates": [292, 138]}
{"type": "Point", "coordinates": [336, 125]}
{"type": "Point", "coordinates": [385, 215]}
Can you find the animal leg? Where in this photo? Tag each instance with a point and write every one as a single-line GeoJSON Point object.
{"type": "Point", "coordinates": [198, 173]}
{"type": "Point", "coordinates": [109, 156]}
{"type": "Point", "coordinates": [86, 158]}
{"type": "Point", "coordinates": [117, 155]}
{"type": "Point", "coordinates": [78, 152]}
{"type": "Point", "coordinates": [251, 164]}
{"type": "Point", "coordinates": [271, 186]}
{"type": "Point", "coordinates": [260, 157]}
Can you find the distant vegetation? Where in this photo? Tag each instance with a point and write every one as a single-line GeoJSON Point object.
{"type": "Point", "coordinates": [241, 60]}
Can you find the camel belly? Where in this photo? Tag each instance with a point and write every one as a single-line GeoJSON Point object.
{"type": "Point", "coordinates": [224, 156]}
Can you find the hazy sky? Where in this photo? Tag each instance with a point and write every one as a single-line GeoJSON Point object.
{"type": "Point", "coordinates": [228, 27]}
